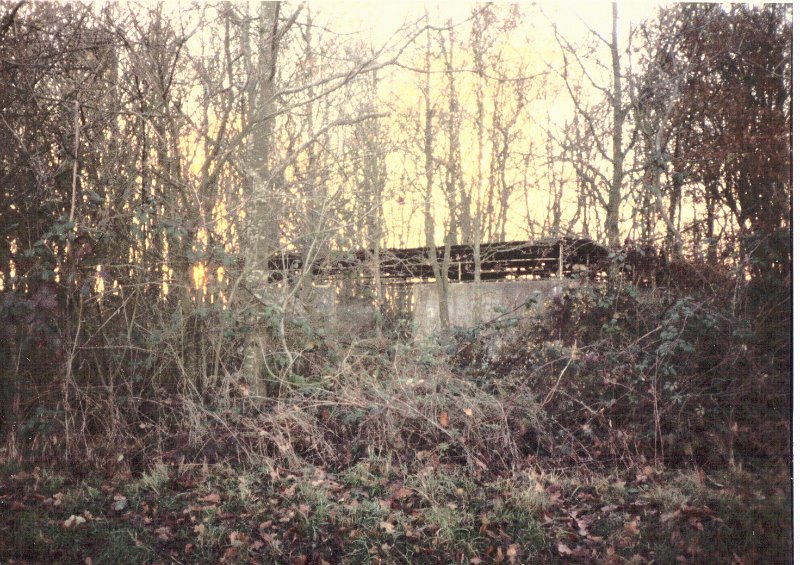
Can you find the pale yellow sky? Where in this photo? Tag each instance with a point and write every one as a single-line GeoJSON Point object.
{"type": "Point", "coordinates": [382, 18]}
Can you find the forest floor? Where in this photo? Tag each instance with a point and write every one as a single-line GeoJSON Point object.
{"type": "Point", "coordinates": [371, 513]}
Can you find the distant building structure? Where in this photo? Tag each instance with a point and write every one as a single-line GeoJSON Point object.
{"type": "Point", "coordinates": [518, 277]}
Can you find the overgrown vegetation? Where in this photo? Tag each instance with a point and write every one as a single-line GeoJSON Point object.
{"type": "Point", "coordinates": [624, 426]}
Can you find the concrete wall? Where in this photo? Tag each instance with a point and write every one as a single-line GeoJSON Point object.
{"type": "Point", "coordinates": [338, 314]}
{"type": "Point", "coordinates": [497, 298]}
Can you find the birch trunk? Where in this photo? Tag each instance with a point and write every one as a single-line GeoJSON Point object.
{"type": "Point", "coordinates": [439, 270]}
{"type": "Point", "coordinates": [477, 229]}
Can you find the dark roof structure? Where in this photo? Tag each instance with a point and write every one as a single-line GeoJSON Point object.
{"type": "Point", "coordinates": [506, 260]}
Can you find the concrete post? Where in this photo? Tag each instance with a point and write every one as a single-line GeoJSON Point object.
{"type": "Point", "coordinates": [560, 260]}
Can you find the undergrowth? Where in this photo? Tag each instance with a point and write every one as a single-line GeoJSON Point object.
{"type": "Point", "coordinates": [626, 425]}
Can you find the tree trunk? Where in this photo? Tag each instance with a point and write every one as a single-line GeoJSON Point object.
{"type": "Point", "coordinates": [711, 192]}
{"type": "Point", "coordinates": [477, 232]}
{"type": "Point", "coordinates": [261, 226]}
{"type": "Point", "coordinates": [439, 270]}
{"type": "Point", "coordinates": [615, 190]}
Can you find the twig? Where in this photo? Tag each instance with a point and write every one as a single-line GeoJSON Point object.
{"type": "Point", "coordinates": [558, 380]}
{"type": "Point", "coordinates": [75, 159]}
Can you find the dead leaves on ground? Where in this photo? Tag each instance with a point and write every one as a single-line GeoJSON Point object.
{"type": "Point", "coordinates": [611, 525]}
{"type": "Point", "coordinates": [572, 519]}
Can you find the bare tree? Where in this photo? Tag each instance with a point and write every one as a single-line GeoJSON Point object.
{"type": "Point", "coordinates": [440, 267]}
{"type": "Point", "coordinates": [262, 220]}
{"type": "Point", "coordinates": [657, 93]}
{"type": "Point", "coordinates": [601, 168]}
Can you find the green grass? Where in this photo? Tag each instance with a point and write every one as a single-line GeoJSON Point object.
{"type": "Point", "coordinates": [352, 517]}
{"type": "Point", "coordinates": [37, 537]}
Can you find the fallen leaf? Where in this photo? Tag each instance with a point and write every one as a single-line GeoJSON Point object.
{"type": "Point", "coordinates": [583, 527]}
{"type": "Point", "coordinates": [444, 419]}
{"type": "Point", "coordinates": [120, 502]}
{"type": "Point", "coordinates": [695, 523]}
{"type": "Point", "coordinates": [564, 549]}
{"type": "Point", "coordinates": [401, 493]}
{"type": "Point", "coordinates": [633, 526]}
{"type": "Point", "coordinates": [74, 521]}
{"type": "Point", "coordinates": [677, 539]}
{"type": "Point", "coordinates": [699, 512]}
{"type": "Point", "coordinates": [388, 527]}
{"type": "Point", "coordinates": [468, 412]}
{"type": "Point", "coordinates": [670, 516]}
{"type": "Point", "coordinates": [212, 498]}
{"type": "Point", "coordinates": [230, 556]}
{"type": "Point", "coordinates": [164, 533]}
{"type": "Point", "coordinates": [503, 535]}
